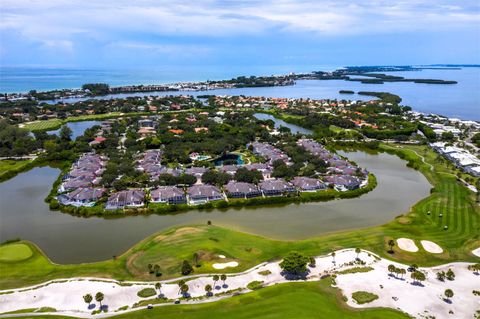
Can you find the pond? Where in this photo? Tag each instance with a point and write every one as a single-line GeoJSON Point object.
{"type": "Point", "coordinates": [278, 122]}
{"type": "Point", "coordinates": [69, 239]}
{"type": "Point", "coordinates": [229, 159]}
{"type": "Point", "coordinates": [78, 128]}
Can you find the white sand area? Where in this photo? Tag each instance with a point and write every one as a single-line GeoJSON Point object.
{"type": "Point", "coordinates": [225, 265]}
{"type": "Point", "coordinates": [407, 245]}
{"type": "Point", "coordinates": [431, 247]}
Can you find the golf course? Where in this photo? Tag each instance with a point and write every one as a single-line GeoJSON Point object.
{"type": "Point", "coordinates": [450, 204]}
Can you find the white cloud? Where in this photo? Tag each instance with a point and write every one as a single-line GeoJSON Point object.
{"type": "Point", "coordinates": [61, 21]}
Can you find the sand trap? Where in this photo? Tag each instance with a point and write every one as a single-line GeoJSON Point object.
{"type": "Point", "coordinates": [476, 252]}
{"type": "Point", "coordinates": [431, 247]}
{"type": "Point", "coordinates": [407, 245]}
{"type": "Point", "coordinates": [225, 265]}
{"type": "Point", "coordinates": [222, 256]}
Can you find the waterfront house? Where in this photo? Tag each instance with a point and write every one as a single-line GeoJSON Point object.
{"type": "Point", "coordinates": [308, 183]}
{"type": "Point", "coordinates": [263, 168]}
{"type": "Point", "coordinates": [83, 196]}
{"type": "Point", "coordinates": [168, 195]}
{"type": "Point", "coordinates": [126, 198]}
{"type": "Point", "coordinates": [75, 183]}
{"type": "Point", "coordinates": [242, 190]}
{"type": "Point", "coordinates": [200, 194]}
{"type": "Point", "coordinates": [276, 187]}
{"type": "Point", "coordinates": [343, 182]}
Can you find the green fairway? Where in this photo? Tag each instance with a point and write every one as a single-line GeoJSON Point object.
{"type": "Point", "coordinates": [294, 300]}
{"type": "Point", "coordinates": [43, 125]}
{"type": "Point", "coordinates": [168, 249]}
{"type": "Point", "coordinates": [15, 252]}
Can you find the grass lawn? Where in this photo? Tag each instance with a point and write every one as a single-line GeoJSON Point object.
{"type": "Point", "coordinates": [43, 125]}
{"type": "Point", "coordinates": [169, 248]}
{"type": "Point", "coordinates": [12, 165]}
{"type": "Point", "coordinates": [293, 300]}
{"type": "Point", "coordinates": [15, 252]}
{"type": "Point", "coordinates": [362, 297]}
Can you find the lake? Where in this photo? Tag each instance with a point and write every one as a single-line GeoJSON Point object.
{"type": "Point", "coordinates": [69, 239]}
{"type": "Point", "coordinates": [78, 128]}
{"type": "Point", "coordinates": [278, 122]}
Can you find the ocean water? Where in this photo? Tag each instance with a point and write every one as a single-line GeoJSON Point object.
{"type": "Point", "coordinates": [460, 100]}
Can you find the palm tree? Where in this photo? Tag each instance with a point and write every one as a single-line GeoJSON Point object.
{"type": "Point", "coordinates": [184, 289]}
{"type": "Point", "coordinates": [158, 286]}
{"type": "Point", "coordinates": [358, 250]}
{"type": "Point", "coordinates": [156, 269]}
{"type": "Point", "coordinates": [215, 279]}
{"type": "Point", "coordinates": [208, 289]}
{"type": "Point", "coordinates": [403, 272]}
{"type": "Point", "coordinates": [333, 256]}
{"type": "Point", "coordinates": [150, 268]}
{"type": "Point", "coordinates": [99, 298]}
{"type": "Point", "coordinates": [391, 243]}
{"type": "Point", "coordinates": [391, 269]}
{"type": "Point", "coordinates": [448, 293]}
{"type": "Point", "coordinates": [88, 298]}
{"type": "Point", "coordinates": [180, 284]}
{"type": "Point", "coordinates": [223, 277]}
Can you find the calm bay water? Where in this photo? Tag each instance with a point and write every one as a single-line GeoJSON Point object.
{"type": "Point", "coordinates": [69, 239]}
{"type": "Point", "coordinates": [460, 100]}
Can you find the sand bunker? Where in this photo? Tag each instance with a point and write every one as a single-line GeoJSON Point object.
{"type": "Point", "coordinates": [431, 247]}
{"type": "Point", "coordinates": [225, 265]}
{"type": "Point", "coordinates": [222, 256]}
{"type": "Point", "coordinates": [476, 252]}
{"type": "Point", "coordinates": [407, 245]}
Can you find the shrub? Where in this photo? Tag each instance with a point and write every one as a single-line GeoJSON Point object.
{"type": "Point", "coordinates": [254, 285]}
{"type": "Point", "coordinates": [146, 292]}
{"type": "Point", "coordinates": [362, 297]}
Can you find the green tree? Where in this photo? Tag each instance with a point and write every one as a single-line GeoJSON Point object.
{"type": "Point", "coordinates": [357, 251]}
{"type": "Point", "coordinates": [391, 244]}
{"type": "Point", "coordinates": [186, 268]}
{"type": "Point", "coordinates": [450, 274]}
{"type": "Point", "coordinates": [208, 289]}
{"type": "Point", "coordinates": [215, 279]}
{"type": "Point", "coordinates": [449, 293]}
{"type": "Point", "coordinates": [418, 276]}
{"type": "Point", "coordinates": [184, 289]}
{"type": "Point", "coordinates": [65, 133]}
{"type": "Point", "coordinates": [294, 263]}
{"type": "Point", "coordinates": [88, 299]}
{"type": "Point", "coordinates": [99, 298]}
{"type": "Point", "coordinates": [158, 286]}
{"type": "Point", "coordinates": [223, 277]}
{"type": "Point", "coordinates": [391, 269]}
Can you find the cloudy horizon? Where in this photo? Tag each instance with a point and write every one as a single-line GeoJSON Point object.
{"type": "Point", "coordinates": [145, 33]}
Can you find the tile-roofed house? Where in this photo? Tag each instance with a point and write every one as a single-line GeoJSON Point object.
{"type": "Point", "coordinates": [343, 182]}
{"type": "Point", "coordinates": [74, 183]}
{"type": "Point", "coordinates": [269, 152]}
{"type": "Point", "coordinates": [242, 190]}
{"type": "Point", "coordinates": [308, 183]}
{"type": "Point", "coordinates": [83, 196]}
{"type": "Point", "coordinates": [196, 171]}
{"type": "Point", "coordinates": [126, 198]}
{"type": "Point", "coordinates": [169, 195]}
{"type": "Point", "coordinates": [229, 169]}
{"type": "Point", "coordinates": [274, 187]}
{"type": "Point", "coordinates": [265, 169]}
{"type": "Point", "coordinates": [199, 194]}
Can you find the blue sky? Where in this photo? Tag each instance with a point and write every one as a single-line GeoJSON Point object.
{"type": "Point", "coordinates": [145, 33]}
